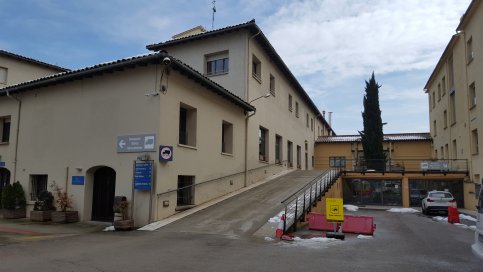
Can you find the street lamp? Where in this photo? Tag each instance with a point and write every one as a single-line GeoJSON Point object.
{"type": "Point", "coordinates": [263, 96]}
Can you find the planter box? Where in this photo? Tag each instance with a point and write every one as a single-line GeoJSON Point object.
{"type": "Point", "coordinates": [65, 217]}
{"type": "Point", "coordinates": [14, 214]}
{"type": "Point", "coordinates": [123, 224]}
{"type": "Point", "coordinates": [40, 216]}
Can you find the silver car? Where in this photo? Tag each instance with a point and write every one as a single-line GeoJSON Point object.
{"type": "Point", "coordinates": [477, 247]}
{"type": "Point", "coordinates": [437, 201]}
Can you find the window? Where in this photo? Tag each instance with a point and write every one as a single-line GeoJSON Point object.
{"type": "Point", "coordinates": [474, 142]}
{"type": "Point", "coordinates": [442, 152]}
{"type": "Point", "coordinates": [472, 95]}
{"type": "Point", "coordinates": [3, 75]}
{"type": "Point", "coordinates": [455, 151]}
{"type": "Point", "coordinates": [187, 125]}
{"type": "Point", "coordinates": [439, 92]}
{"type": "Point", "coordinates": [436, 153]}
{"type": "Point", "coordinates": [469, 50]}
{"type": "Point", "coordinates": [446, 151]}
{"type": "Point", "coordinates": [227, 138]}
{"type": "Point", "coordinates": [278, 149]}
{"type": "Point", "coordinates": [451, 74]}
{"type": "Point", "coordinates": [263, 144]}
{"type": "Point", "coordinates": [435, 129]}
{"type": "Point", "coordinates": [312, 124]}
{"type": "Point", "coordinates": [185, 190]}
{"type": "Point", "coordinates": [290, 153]}
{"type": "Point", "coordinates": [5, 129]}
{"type": "Point", "coordinates": [299, 157]}
{"type": "Point", "coordinates": [443, 86]}
{"type": "Point", "coordinates": [290, 102]}
{"type": "Point", "coordinates": [38, 184]}
{"type": "Point", "coordinates": [297, 109]}
{"type": "Point", "coordinates": [452, 108]}
{"type": "Point", "coordinates": [337, 162]}
{"type": "Point", "coordinates": [434, 100]}
{"type": "Point", "coordinates": [217, 64]}
{"type": "Point", "coordinates": [307, 120]}
{"type": "Point", "coordinates": [445, 119]}
{"type": "Point", "coordinates": [272, 85]}
{"type": "Point", "coordinates": [256, 69]}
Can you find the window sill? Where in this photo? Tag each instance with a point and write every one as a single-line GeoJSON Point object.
{"type": "Point", "coordinates": [257, 78]}
{"type": "Point", "coordinates": [453, 124]}
{"type": "Point", "coordinates": [475, 154]}
{"type": "Point", "coordinates": [188, 146]}
{"type": "Point", "coordinates": [470, 61]}
{"type": "Point", "coordinates": [4, 143]}
{"type": "Point", "coordinates": [472, 107]}
{"type": "Point", "coordinates": [227, 154]}
{"type": "Point", "coordinates": [265, 162]}
{"type": "Point", "coordinates": [216, 74]}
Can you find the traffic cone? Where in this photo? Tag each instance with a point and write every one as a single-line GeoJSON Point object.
{"type": "Point", "coordinates": [279, 232]}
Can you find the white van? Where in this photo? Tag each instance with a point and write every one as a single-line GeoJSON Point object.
{"type": "Point", "coordinates": [477, 247]}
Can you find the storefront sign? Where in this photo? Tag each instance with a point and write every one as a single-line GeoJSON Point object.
{"type": "Point", "coordinates": [143, 174]}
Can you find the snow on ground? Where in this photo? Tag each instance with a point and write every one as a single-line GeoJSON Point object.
{"type": "Point", "coordinates": [316, 242]}
{"type": "Point", "coordinates": [351, 208]}
{"type": "Point", "coordinates": [403, 210]}
{"type": "Point", "coordinates": [467, 217]}
{"type": "Point", "coordinates": [110, 228]}
{"type": "Point", "coordinates": [463, 226]}
{"type": "Point", "coordinates": [360, 236]}
{"type": "Point", "coordinates": [276, 218]}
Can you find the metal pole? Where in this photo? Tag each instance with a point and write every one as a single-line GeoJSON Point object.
{"type": "Point", "coordinates": [285, 221]}
{"type": "Point", "coordinates": [295, 216]}
{"type": "Point", "coordinates": [132, 193]}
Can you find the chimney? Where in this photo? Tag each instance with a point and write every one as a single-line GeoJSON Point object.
{"type": "Point", "coordinates": [323, 114]}
{"type": "Point", "coordinates": [330, 119]}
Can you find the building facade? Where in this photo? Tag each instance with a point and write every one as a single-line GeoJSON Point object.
{"type": "Point", "coordinates": [454, 95]}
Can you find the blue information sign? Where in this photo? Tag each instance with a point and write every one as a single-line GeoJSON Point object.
{"type": "Point", "coordinates": [77, 180]}
{"type": "Point", "coordinates": [2, 164]}
{"type": "Point", "coordinates": [143, 173]}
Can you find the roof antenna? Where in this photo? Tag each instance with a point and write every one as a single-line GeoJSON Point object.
{"type": "Point", "coordinates": [213, 17]}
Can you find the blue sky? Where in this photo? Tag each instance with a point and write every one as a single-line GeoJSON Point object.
{"type": "Point", "coordinates": [331, 46]}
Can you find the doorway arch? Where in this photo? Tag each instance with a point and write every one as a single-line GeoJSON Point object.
{"type": "Point", "coordinates": [104, 187]}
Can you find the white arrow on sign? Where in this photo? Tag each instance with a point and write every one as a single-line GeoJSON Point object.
{"type": "Point", "coordinates": [122, 144]}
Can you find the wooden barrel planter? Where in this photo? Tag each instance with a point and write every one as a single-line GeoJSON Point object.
{"type": "Point", "coordinates": [40, 216]}
{"type": "Point", "coordinates": [65, 217]}
{"type": "Point", "coordinates": [14, 214]}
{"type": "Point", "coordinates": [123, 224]}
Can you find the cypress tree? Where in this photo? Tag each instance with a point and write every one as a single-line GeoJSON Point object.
{"type": "Point", "coordinates": [372, 135]}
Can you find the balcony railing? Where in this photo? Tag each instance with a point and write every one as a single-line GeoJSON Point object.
{"type": "Point", "coordinates": [402, 165]}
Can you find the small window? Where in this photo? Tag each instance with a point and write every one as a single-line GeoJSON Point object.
{"type": "Point", "coordinates": [217, 64]}
{"type": "Point", "coordinates": [469, 50]}
{"type": "Point", "coordinates": [297, 109]}
{"type": "Point", "coordinates": [307, 120]}
{"type": "Point", "coordinates": [445, 119]}
{"type": "Point", "coordinates": [256, 69]}
{"type": "Point", "coordinates": [5, 129]}
{"type": "Point", "coordinates": [3, 75]}
{"type": "Point", "coordinates": [435, 128]}
{"type": "Point", "coordinates": [290, 153]}
{"type": "Point", "coordinates": [446, 151]}
{"type": "Point", "coordinates": [337, 162]}
{"type": "Point", "coordinates": [452, 108]}
{"type": "Point", "coordinates": [312, 124]}
{"type": "Point", "coordinates": [472, 95]}
{"type": "Point", "coordinates": [434, 100]}
{"type": "Point", "coordinates": [227, 138]}
{"type": "Point", "coordinates": [299, 157]}
{"type": "Point", "coordinates": [436, 153]}
{"type": "Point", "coordinates": [290, 102]}
{"type": "Point", "coordinates": [272, 85]}
{"type": "Point", "coordinates": [439, 92]}
{"type": "Point", "coordinates": [443, 86]}
{"type": "Point", "coordinates": [263, 144]}
{"type": "Point", "coordinates": [185, 191]}
{"type": "Point", "coordinates": [455, 150]}
{"type": "Point", "coordinates": [187, 125]}
{"type": "Point", "coordinates": [278, 149]}
{"type": "Point", "coordinates": [38, 184]}
{"type": "Point", "coordinates": [474, 142]}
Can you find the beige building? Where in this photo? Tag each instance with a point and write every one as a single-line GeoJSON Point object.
{"type": "Point", "coordinates": [165, 134]}
{"type": "Point", "coordinates": [408, 172]}
{"type": "Point", "coordinates": [454, 93]}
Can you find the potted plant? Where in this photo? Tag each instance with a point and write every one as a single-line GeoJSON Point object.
{"type": "Point", "coordinates": [13, 201]}
{"type": "Point", "coordinates": [122, 208]}
{"type": "Point", "coordinates": [43, 207]}
{"type": "Point", "coordinates": [63, 202]}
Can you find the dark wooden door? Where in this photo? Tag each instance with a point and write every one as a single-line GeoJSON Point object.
{"type": "Point", "coordinates": [103, 194]}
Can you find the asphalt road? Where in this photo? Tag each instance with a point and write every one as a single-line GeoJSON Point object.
{"type": "Point", "coordinates": [216, 240]}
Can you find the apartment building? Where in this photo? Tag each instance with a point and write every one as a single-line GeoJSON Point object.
{"type": "Point", "coordinates": [282, 132]}
{"type": "Point", "coordinates": [454, 95]}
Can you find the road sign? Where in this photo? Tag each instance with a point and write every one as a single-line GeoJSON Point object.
{"type": "Point", "coordinates": [165, 153]}
{"type": "Point", "coordinates": [143, 174]}
{"type": "Point", "coordinates": [334, 209]}
{"type": "Point", "coordinates": [136, 143]}
{"type": "Point", "coordinates": [77, 180]}
{"type": "Point", "coordinates": [2, 164]}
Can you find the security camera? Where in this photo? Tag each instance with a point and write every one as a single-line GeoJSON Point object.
{"type": "Point", "coordinates": [166, 61]}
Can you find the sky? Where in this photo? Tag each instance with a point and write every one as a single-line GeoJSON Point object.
{"type": "Point", "coordinates": [331, 46]}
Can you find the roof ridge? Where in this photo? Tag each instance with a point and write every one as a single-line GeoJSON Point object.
{"type": "Point", "coordinates": [14, 55]}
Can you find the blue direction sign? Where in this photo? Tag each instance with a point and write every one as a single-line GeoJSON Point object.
{"type": "Point", "coordinates": [77, 180]}
{"type": "Point", "coordinates": [143, 174]}
{"type": "Point", "coordinates": [2, 164]}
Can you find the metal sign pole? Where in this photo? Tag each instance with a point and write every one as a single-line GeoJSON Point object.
{"type": "Point", "coordinates": [132, 194]}
{"type": "Point", "coordinates": [151, 192]}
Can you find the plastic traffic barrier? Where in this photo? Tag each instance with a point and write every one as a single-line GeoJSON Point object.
{"type": "Point", "coordinates": [319, 222]}
{"type": "Point", "coordinates": [358, 224]}
{"type": "Point", "coordinates": [453, 215]}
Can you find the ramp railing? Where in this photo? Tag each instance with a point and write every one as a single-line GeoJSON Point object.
{"type": "Point", "coordinates": [301, 202]}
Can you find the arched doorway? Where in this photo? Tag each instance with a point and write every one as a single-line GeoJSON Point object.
{"type": "Point", "coordinates": [103, 194]}
{"type": "Point", "coordinates": [4, 180]}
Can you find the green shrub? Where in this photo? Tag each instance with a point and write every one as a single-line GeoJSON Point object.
{"type": "Point", "coordinates": [13, 196]}
{"type": "Point", "coordinates": [44, 202]}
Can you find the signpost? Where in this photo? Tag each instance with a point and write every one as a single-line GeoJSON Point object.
{"type": "Point", "coordinates": [136, 143]}
{"type": "Point", "coordinates": [335, 214]}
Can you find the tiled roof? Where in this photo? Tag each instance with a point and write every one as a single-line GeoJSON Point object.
{"type": "Point", "coordinates": [397, 137]}
{"type": "Point", "coordinates": [122, 64]}
{"type": "Point", "coordinates": [266, 45]}
{"type": "Point", "coordinates": [38, 62]}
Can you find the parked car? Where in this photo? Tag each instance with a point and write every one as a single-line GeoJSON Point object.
{"type": "Point", "coordinates": [437, 201]}
{"type": "Point", "coordinates": [477, 247]}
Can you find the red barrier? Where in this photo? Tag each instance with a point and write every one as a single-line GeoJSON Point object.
{"type": "Point", "coordinates": [453, 215]}
{"type": "Point", "coordinates": [358, 224]}
{"type": "Point", "coordinates": [319, 222]}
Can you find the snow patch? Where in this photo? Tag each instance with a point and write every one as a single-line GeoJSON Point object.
{"type": "Point", "coordinates": [351, 208]}
{"type": "Point", "coordinates": [276, 218]}
{"type": "Point", "coordinates": [403, 210]}
{"type": "Point", "coordinates": [315, 242]}
{"type": "Point", "coordinates": [472, 227]}
{"type": "Point", "coordinates": [467, 217]}
{"type": "Point", "coordinates": [269, 239]}
{"type": "Point", "coordinates": [360, 236]}
{"type": "Point", "coordinates": [440, 219]}
{"type": "Point", "coordinates": [110, 228]}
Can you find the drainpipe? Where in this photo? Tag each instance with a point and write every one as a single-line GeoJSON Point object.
{"type": "Point", "coordinates": [16, 136]}
{"type": "Point", "coordinates": [247, 98]}
{"type": "Point", "coordinates": [468, 119]}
